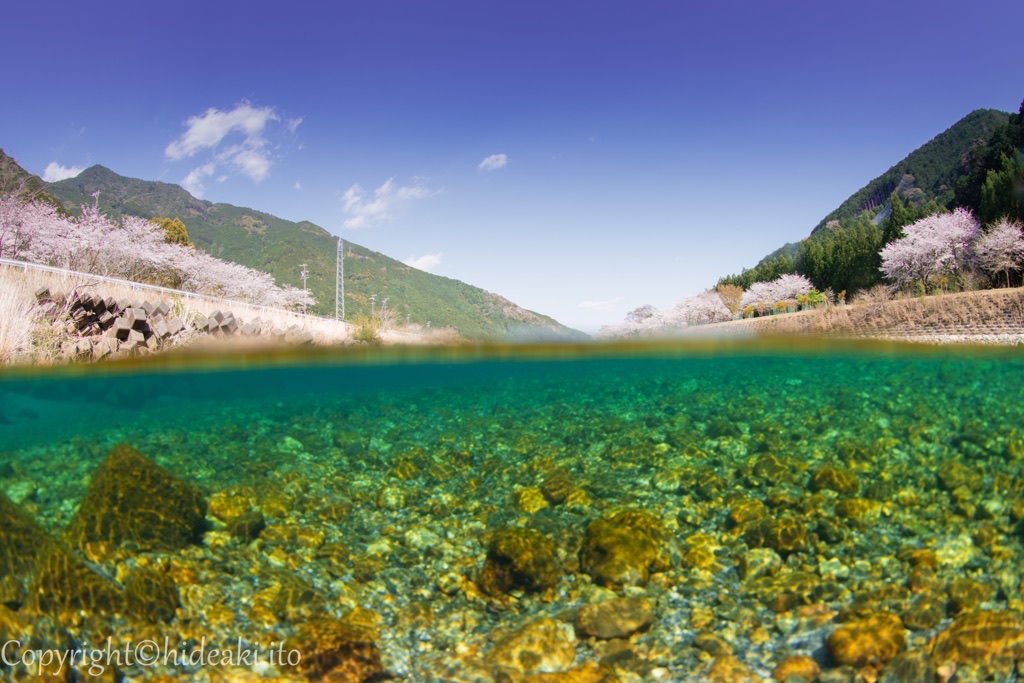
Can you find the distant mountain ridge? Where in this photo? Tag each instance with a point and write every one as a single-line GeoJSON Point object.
{"type": "Point", "coordinates": [278, 246]}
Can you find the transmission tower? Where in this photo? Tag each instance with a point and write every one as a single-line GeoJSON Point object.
{"type": "Point", "coordinates": [339, 281]}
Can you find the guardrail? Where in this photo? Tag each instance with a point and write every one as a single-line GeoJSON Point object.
{"type": "Point", "coordinates": [136, 286]}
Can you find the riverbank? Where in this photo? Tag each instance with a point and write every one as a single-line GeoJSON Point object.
{"type": "Point", "coordinates": [994, 317]}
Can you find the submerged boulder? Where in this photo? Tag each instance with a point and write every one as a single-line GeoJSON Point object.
{"type": "Point", "coordinates": [132, 500]}
{"type": "Point", "coordinates": [22, 540]}
{"type": "Point", "coordinates": [519, 559]}
{"type": "Point", "coordinates": [65, 584]}
{"type": "Point", "coordinates": [624, 549]}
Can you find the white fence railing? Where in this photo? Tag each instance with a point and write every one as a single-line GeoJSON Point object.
{"type": "Point", "coordinates": [137, 286]}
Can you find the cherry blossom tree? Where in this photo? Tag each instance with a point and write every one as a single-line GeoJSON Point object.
{"type": "Point", "coordinates": [767, 294]}
{"type": "Point", "coordinates": [940, 244]}
{"type": "Point", "coordinates": [1001, 249]}
{"type": "Point", "coordinates": [133, 249]}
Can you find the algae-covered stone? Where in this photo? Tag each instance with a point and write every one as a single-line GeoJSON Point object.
{"type": "Point", "coordinates": [132, 500]}
{"type": "Point", "coordinates": [151, 595]}
{"type": "Point", "coordinates": [64, 584]}
{"type": "Point", "coordinates": [625, 549]}
{"type": "Point", "coordinates": [842, 481]}
{"type": "Point", "coordinates": [248, 526]}
{"type": "Point", "coordinates": [927, 610]}
{"type": "Point", "coordinates": [21, 540]}
{"type": "Point", "coordinates": [539, 646]}
{"type": "Point", "coordinates": [340, 651]}
{"type": "Point", "coordinates": [796, 668]}
{"type": "Point", "coordinates": [979, 636]}
{"type": "Point", "coordinates": [785, 535]}
{"type": "Point", "coordinates": [616, 618]}
{"type": "Point", "coordinates": [519, 559]}
{"type": "Point", "coordinates": [871, 641]}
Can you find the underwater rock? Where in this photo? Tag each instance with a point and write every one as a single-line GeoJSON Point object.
{"type": "Point", "coordinates": [64, 584]}
{"type": "Point", "coordinates": [248, 526]}
{"type": "Point", "coordinates": [953, 474]}
{"type": "Point", "coordinates": [700, 551]}
{"type": "Point", "coordinates": [758, 562]}
{"type": "Point", "coordinates": [746, 510]}
{"type": "Point", "coordinates": [796, 668]}
{"type": "Point", "coordinates": [519, 559]}
{"type": "Point", "coordinates": [842, 481]}
{"type": "Point", "coordinates": [557, 485]}
{"type": "Point", "coordinates": [339, 651]}
{"type": "Point", "coordinates": [151, 596]}
{"type": "Point", "coordinates": [22, 539]}
{"type": "Point", "coordinates": [539, 646]}
{"type": "Point", "coordinates": [785, 535]}
{"type": "Point", "coordinates": [871, 641]}
{"type": "Point", "coordinates": [132, 500]}
{"type": "Point", "coordinates": [967, 594]}
{"type": "Point", "coordinates": [529, 500]}
{"type": "Point", "coordinates": [231, 504]}
{"type": "Point", "coordinates": [625, 548]}
{"type": "Point", "coordinates": [927, 610]}
{"type": "Point", "coordinates": [976, 637]}
{"type": "Point", "coordinates": [915, 666]}
{"type": "Point", "coordinates": [616, 618]}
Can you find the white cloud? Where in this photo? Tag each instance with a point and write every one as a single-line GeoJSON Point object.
{"type": "Point", "coordinates": [425, 262]}
{"type": "Point", "coordinates": [193, 182]}
{"type": "Point", "coordinates": [365, 211]}
{"type": "Point", "coordinates": [297, 185]}
{"type": "Point", "coordinates": [235, 139]}
{"type": "Point", "coordinates": [493, 162]}
{"type": "Point", "coordinates": [604, 305]}
{"type": "Point", "coordinates": [55, 172]}
{"type": "Point", "coordinates": [207, 130]}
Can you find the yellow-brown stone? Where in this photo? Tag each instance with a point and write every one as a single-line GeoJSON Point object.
{"type": "Point", "coordinates": [800, 667]}
{"type": "Point", "coordinates": [64, 584]}
{"type": "Point", "coordinates": [557, 485]}
{"type": "Point", "coordinates": [529, 500]}
{"type": "Point", "coordinates": [625, 548]}
{"type": "Point", "coordinates": [858, 509]}
{"type": "Point", "coordinates": [232, 503]}
{"type": "Point", "coordinates": [22, 539]}
{"type": "Point", "coordinates": [151, 595]}
{"type": "Point", "coordinates": [539, 646]}
{"type": "Point", "coordinates": [842, 481]}
{"type": "Point", "coordinates": [979, 636]}
{"type": "Point", "coordinates": [746, 510]}
{"type": "Point", "coordinates": [615, 618]}
{"type": "Point", "coordinates": [871, 641]}
{"type": "Point", "coordinates": [519, 559]}
{"type": "Point", "coordinates": [785, 535]}
{"type": "Point", "coordinates": [132, 500]}
{"type": "Point", "coordinates": [339, 651]}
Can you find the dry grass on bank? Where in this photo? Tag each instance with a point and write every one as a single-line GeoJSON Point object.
{"type": "Point", "coordinates": [965, 311]}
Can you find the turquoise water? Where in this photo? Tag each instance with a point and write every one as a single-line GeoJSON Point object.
{"type": "Point", "coordinates": [382, 481]}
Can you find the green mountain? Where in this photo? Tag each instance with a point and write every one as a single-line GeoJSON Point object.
{"type": "Point", "coordinates": [15, 179]}
{"type": "Point", "coordinates": [841, 252]}
{"type": "Point", "coordinates": [280, 247]}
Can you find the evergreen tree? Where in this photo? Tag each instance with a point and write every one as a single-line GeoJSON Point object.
{"type": "Point", "coordinates": [900, 216]}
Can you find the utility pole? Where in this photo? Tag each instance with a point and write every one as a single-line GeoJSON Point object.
{"type": "Point", "coordinates": [339, 281]}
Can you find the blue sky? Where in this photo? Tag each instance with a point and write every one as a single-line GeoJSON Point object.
{"type": "Point", "coordinates": [580, 158]}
